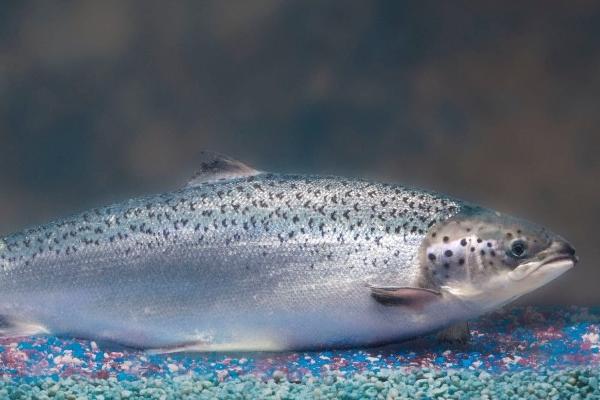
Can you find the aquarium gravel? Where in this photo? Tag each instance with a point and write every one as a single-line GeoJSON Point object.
{"type": "Point", "coordinates": [515, 353]}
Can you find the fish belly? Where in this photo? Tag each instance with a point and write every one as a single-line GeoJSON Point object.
{"type": "Point", "coordinates": [213, 301]}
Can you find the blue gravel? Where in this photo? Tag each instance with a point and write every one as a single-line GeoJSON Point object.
{"type": "Point", "coordinates": [387, 384]}
{"type": "Point", "coordinates": [515, 353]}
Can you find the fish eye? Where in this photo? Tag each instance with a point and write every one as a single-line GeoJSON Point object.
{"type": "Point", "coordinates": [518, 249]}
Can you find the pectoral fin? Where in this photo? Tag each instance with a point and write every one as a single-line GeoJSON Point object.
{"type": "Point", "coordinates": [396, 295]}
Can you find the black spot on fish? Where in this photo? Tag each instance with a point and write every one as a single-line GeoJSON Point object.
{"type": "Point", "coordinates": [461, 261]}
{"type": "Point", "coordinates": [463, 242]}
{"type": "Point", "coordinates": [479, 240]}
{"type": "Point", "coordinates": [489, 244]}
{"type": "Point", "coordinates": [446, 239]}
{"type": "Point", "coordinates": [448, 253]}
{"type": "Point", "coordinates": [446, 265]}
{"type": "Point", "coordinates": [431, 256]}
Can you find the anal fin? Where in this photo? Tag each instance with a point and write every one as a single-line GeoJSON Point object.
{"type": "Point", "coordinates": [10, 328]}
{"type": "Point", "coordinates": [202, 347]}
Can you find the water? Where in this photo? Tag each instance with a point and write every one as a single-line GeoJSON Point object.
{"type": "Point", "coordinates": [103, 99]}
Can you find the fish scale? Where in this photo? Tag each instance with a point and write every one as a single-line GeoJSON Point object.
{"type": "Point", "coordinates": [236, 260]}
{"type": "Point", "coordinates": [292, 210]}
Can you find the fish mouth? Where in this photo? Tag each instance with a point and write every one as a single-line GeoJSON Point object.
{"type": "Point", "coordinates": [553, 264]}
{"type": "Point", "coordinates": [558, 258]}
{"type": "Point", "coordinates": [559, 252]}
{"type": "Point", "coordinates": [559, 262]}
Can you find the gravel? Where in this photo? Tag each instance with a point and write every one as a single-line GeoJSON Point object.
{"type": "Point", "coordinates": [421, 383]}
{"type": "Point", "coordinates": [545, 353]}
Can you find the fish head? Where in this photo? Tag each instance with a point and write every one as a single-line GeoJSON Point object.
{"type": "Point", "coordinates": [487, 259]}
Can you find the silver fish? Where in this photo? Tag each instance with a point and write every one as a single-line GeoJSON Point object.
{"type": "Point", "coordinates": [245, 260]}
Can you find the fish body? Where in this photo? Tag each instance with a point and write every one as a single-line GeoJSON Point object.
{"type": "Point", "coordinates": [243, 260]}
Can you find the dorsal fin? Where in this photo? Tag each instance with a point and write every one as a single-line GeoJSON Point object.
{"type": "Point", "coordinates": [218, 167]}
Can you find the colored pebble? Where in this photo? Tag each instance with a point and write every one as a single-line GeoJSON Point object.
{"type": "Point", "coordinates": [515, 353]}
{"type": "Point", "coordinates": [543, 384]}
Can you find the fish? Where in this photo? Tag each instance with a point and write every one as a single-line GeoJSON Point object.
{"type": "Point", "coordinates": [244, 260]}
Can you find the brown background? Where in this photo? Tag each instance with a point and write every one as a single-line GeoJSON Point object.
{"type": "Point", "coordinates": [495, 102]}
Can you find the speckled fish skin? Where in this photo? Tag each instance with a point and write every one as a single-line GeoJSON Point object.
{"type": "Point", "coordinates": [261, 262]}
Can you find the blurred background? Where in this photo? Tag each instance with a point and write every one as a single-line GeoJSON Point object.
{"type": "Point", "coordinates": [494, 102]}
